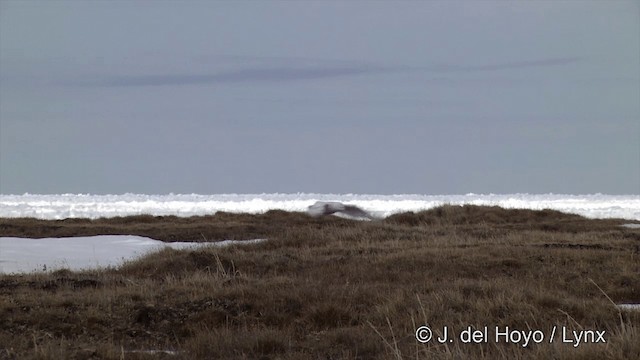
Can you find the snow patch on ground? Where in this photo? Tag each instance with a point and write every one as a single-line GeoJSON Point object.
{"type": "Point", "coordinates": [20, 255]}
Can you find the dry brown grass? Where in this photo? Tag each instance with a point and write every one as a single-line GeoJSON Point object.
{"type": "Point", "coordinates": [330, 288]}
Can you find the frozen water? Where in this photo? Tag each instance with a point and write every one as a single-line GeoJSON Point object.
{"type": "Point", "coordinates": [26, 255]}
{"type": "Point", "coordinates": [95, 206]}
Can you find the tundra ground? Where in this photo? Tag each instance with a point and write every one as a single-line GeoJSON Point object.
{"type": "Point", "coordinates": [330, 288]}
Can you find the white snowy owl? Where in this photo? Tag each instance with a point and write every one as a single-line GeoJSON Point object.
{"type": "Point", "coordinates": [321, 208]}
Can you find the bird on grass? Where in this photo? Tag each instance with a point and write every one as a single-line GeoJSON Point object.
{"type": "Point", "coordinates": [322, 208]}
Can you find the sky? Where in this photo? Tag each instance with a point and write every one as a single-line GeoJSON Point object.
{"type": "Point", "coordinates": [364, 97]}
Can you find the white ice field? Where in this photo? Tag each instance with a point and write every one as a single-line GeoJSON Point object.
{"type": "Point", "coordinates": [95, 206]}
{"type": "Point", "coordinates": [26, 255]}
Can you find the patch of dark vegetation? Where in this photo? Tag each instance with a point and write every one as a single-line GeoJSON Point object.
{"type": "Point", "coordinates": [578, 246]}
{"type": "Point", "coordinates": [500, 218]}
{"type": "Point", "coordinates": [221, 226]}
{"type": "Point", "coordinates": [330, 288]}
{"type": "Point", "coordinates": [472, 214]}
{"type": "Point", "coordinates": [6, 285]}
{"type": "Point", "coordinates": [71, 283]}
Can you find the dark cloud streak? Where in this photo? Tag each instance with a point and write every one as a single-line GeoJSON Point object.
{"type": "Point", "coordinates": [271, 75]}
{"type": "Point", "coordinates": [293, 73]}
{"type": "Point", "coordinates": [509, 65]}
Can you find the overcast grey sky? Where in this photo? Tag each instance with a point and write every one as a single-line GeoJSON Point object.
{"type": "Point", "coordinates": [332, 97]}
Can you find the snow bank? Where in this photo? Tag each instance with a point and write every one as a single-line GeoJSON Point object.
{"type": "Point", "coordinates": [95, 206]}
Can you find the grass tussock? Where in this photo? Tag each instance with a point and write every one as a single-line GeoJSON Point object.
{"type": "Point", "coordinates": [330, 288]}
